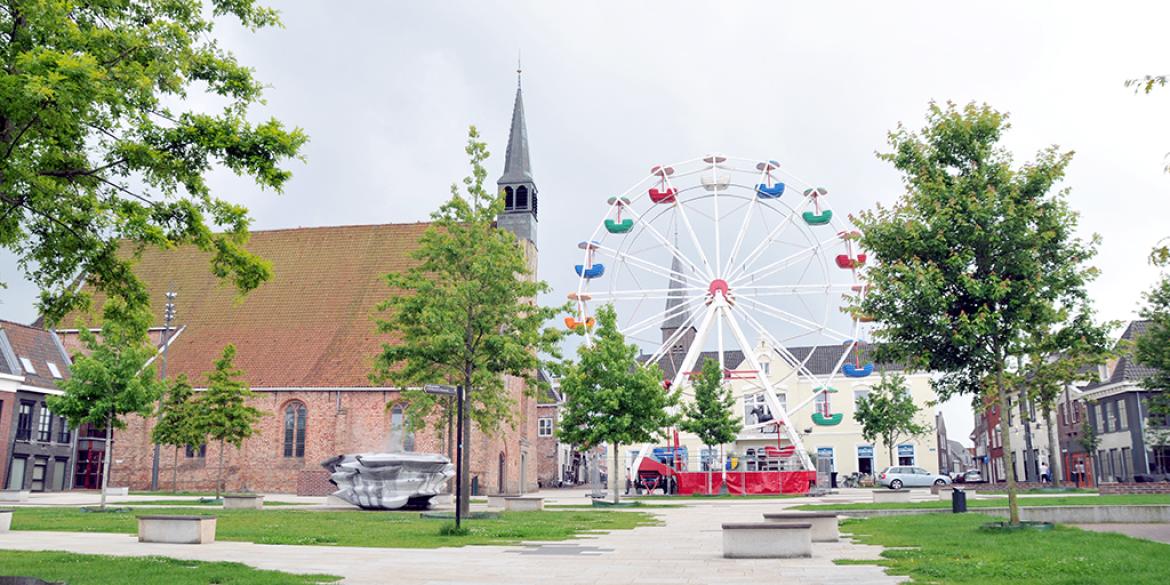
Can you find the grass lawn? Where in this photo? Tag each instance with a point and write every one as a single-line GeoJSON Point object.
{"type": "Point", "coordinates": [345, 528]}
{"type": "Point", "coordinates": [78, 569]}
{"type": "Point", "coordinates": [1001, 502]}
{"type": "Point", "coordinates": [951, 550]}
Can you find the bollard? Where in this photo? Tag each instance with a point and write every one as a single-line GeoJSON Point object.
{"type": "Point", "coordinates": [958, 501]}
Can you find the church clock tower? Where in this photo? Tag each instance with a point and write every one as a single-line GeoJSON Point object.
{"type": "Point", "coordinates": [520, 193]}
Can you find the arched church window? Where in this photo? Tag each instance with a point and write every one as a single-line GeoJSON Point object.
{"type": "Point", "coordinates": [521, 197]}
{"type": "Point", "coordinates": [295, 415]}
{"type": "Point", "coordinates": [509, 202]}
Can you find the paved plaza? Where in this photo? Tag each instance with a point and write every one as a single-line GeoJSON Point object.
{"type": "Point", "coordinates": [685, 549]}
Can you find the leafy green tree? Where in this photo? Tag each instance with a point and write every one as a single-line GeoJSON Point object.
{"type": "Point", "coordinates": [610, 398]}
{"type": "Point", "coordinates": [466, 311]}
{"type": "Point", "coordinates": [1160, 255]}
{"type": "Point", "coordinates": [224, 414]}
{"type": "Point", "coordinates": [709, 415]}
{"type": "Point", "coordinates": [178, 423]}
{"type": "Point", "coordinates": [111, 378]}
{"type": "Point", "coordinates": [889, 413]}
{"type": "Point", "coordinates": [1058, 361]}
{"type": "Point", "coordinates": [976, 260]}
{"type": "Point", "coordinates": [1153, 350]}
{"type": "Point", "coordinates": [1089, 442]}
{"type": "Point", "coordinates": [100, 144]}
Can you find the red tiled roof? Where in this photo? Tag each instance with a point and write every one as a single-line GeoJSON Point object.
{"type": "Point", "coordinates": [311, 325]}
{"type": "Point", "coordinates": [38, 346]}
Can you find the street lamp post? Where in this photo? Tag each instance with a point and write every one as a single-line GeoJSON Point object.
{"type": "Point", "coordinates": [168, 317]}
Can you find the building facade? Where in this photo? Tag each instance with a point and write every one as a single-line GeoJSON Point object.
{"type": "Point", "coordinates": [36, 445]}
{"type": "Point", "coordinates": [306, 342]}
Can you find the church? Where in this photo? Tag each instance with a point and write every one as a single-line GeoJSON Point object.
{"type": "Point", "coordinates": [306, 343]}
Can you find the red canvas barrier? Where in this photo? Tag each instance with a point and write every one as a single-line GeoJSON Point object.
{"type": "Point", "coordinates": [749, 482]}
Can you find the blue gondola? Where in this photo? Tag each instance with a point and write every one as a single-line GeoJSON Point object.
{"type": "Point", "coordinates": [594, 271]}
{"type": "Point", "coordinates": [766, 192]}
{"type": "Point", "coordinates": [855, 372]}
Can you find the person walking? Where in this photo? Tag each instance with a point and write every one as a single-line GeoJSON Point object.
{"type": "Point", "coordinates": [1044, 473]}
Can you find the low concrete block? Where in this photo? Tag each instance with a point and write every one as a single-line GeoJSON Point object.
{"type": "Point", "coordinates": [524, 504]}
{"type": "Point", "coordinates": [767, 540]}
{"type": "Point", "coordinates": [883, 496]}
{"type": "Point", "coordinates": [117, 491]}
{"type": "Point", "coordinates": [14, 496]}
{"type": "Point", "coordinates": [497, 501]}
{"type": "Point", "coordinates": [243, 502]}
{"type": "Point", "coordinates": [824, 524]}
{"type": "Point", "coordinates": [944, 494]}
{"type": "Point", "coordinates": [1159, 513]}
{"type": "Point", "coordinates": [177, 529]}
{"type": "Point", "coordinates": [5, 520]}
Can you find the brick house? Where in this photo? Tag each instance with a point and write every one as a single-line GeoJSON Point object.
{"type": "Point", "coordinates": [36, 446]}
{"type": "Point", "coordinates": [306, 342]}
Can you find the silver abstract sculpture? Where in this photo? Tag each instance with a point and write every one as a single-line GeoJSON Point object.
{"type": "Point", "coordinates": [389, 481]}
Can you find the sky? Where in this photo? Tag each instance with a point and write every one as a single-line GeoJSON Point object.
{"type": "Point", "coordinates": [386, 92]}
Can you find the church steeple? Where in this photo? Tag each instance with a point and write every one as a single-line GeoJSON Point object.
{"type": "Point", "coordinates": [517, 184]}
{"type": "Point", "coordinates": [676, 317]}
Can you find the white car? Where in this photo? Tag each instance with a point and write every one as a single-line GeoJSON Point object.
{"type": "Point", "coordinates": [902, 476]}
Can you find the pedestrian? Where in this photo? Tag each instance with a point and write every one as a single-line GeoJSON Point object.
{"type": "Point", "coordinates": [1044, 473]}
{"type": "Point", "coordinates": [1080, 468]}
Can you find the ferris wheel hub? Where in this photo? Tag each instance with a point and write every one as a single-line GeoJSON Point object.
{"type": "Point", "coordinates": [719, 286]}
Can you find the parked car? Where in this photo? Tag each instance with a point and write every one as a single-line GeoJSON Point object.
{"type": "Point", "coordinates": [896, 478]}
{"type": "Point", "coordinates": [969, 476]}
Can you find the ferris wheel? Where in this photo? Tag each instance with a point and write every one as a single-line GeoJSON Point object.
{"type": "Point", "coordinates": [701, 258]}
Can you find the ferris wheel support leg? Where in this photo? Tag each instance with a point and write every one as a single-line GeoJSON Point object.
{"type": "Point", "coordinates": [770, 393]}
{"type": "Point", "coordinates": [687, 364]}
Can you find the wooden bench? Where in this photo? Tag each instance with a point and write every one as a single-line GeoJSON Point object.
{"type": "Point", "coordinates": [824, 524]}
{"type": "Point", "coordinates": [243, 502]}
{"type": "Point", "coordinates": [944, 493]}
{"type": "Point", "coordinates": [5, 520]}
{"type": "Point", "coordinates": [523, 504]}
{"type": "Point", "coordinates": [884, 496]}
{"type": "Point", "coordinates": [177, 529]}
{"type": "Point", "coordinates": [767, 540]}
{"type": "Point", "coordinates": [14, 496]}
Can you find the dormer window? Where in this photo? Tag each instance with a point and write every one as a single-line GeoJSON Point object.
{"type": "Point", "coordinates": [27, 364]}
{"type": "Point", "coordinates": [53, 370]}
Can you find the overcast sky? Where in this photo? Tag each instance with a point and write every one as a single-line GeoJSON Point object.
{"type": "Point", "coordinates": [386, 92]}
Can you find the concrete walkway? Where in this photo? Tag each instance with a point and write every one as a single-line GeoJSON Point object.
{"type": "Point", "coordinates": [686, 549]}
{"type": "Point", "coordinates": [1158, 532]}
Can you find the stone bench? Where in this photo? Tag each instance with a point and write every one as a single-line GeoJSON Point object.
{"type": "Point", "coordinates": [497, 500]}
{"type": "Point", "coordinates": [5, 520]}
{"type": "Point", "coordinates": [944, 494]}
{"type": "Point", "coordinates": [824, 524]}
{"type": "Point", "coordinates": [117, 491]}
{"type": "Point", "coordinates": [767, 540]}
{"type": "Point", "coordinates": [243, 502]}
{"type": "Point", "coordinates": [14, 496]}
{"type": "Point", "coordinates": [523, 504]}
{"type": "Point", "coordinates": [177, 529]}
{"type": "Point", "coordinates": [884, 496]}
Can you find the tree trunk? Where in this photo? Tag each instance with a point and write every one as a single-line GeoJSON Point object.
{"type": "Point", "coordinates": [1055, 463]}
{"type": "Point", "coordinates": [613, 473]}
{"type": "Point", "coordinates": [709, 471]}
{"type": "Point", "coordinates": [1005, 436]}
{"type": "Point", "coordinates": [109, 456]}
{"type": "Point", "coordinates": [464, 451]}
{"type": "Point", "coordinates": [219, 474]}
{"type": "Point", "coordinates": [175, 474]}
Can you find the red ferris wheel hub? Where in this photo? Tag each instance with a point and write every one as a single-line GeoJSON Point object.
{"type": "Point", "coordinates": [719, 285]}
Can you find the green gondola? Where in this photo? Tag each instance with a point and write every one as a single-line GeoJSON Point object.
{"type": "Point", "coordinates": [619, 227]}
{"type": "Point", "coordinates": [812, 218]}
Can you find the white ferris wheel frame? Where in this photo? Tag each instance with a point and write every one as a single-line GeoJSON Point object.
{"type": "Point", "coordinates": [716, 307]}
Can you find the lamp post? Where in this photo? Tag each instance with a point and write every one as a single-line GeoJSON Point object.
{"type": "Point", "coordinates": [457, 392]}
{"type": "Point", "coordinates": [168, 317]}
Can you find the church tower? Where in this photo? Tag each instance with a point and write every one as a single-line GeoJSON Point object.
{"type": "Point", "coordinates": [520, 193]}
{"type": "Point", "coordinates": [676, 317]}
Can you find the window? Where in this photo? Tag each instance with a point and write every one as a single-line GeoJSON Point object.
{"type": "Point", "coordinates": [294, 429]}
{"type": "Point", "coordinates": [1122, 415]}
{"type": "Point", "coordinates": [521, 197]}
{"type": "Point", "coordinates": [821, 403]}
{"type": "Point", "coordinates": [1126, 457]}
{"type": "Point", "coordinates": [400, 438]}
{"type": "Point", "coordinates": [63, 433]}
{"type": "Point", "coordinates": [755, 408]}
{"type": "Point", "coordinates": [24, 421]}
{"type": "Point", "coordinates": [766, 367]}
{"type": "Point", "coordinates": [859, 394]}
{"type": "Point", "coordinates": [544, 427]}
{"type": "Point", "coordinates": [199, 452]}
{"type": "Point", "coordinates": [28, 367]}
{"type": "Point", "coordinates": [1110, 416]}
{"type": "Point", "coordinates": [509, 203]}
{"type": "Point", "coordinates": [53, 370]}
{"type": "Point", "coordinates": [16, 473]}
{"type": "Point", "coordinates": [1099, 414]}
{"type": "Point", "coordinates": [45, 425]}
{"type": "Point", "coordinates": [906, 455]}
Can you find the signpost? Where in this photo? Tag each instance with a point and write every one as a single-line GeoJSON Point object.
{"type": "Point", "coordinates": [457, 392]}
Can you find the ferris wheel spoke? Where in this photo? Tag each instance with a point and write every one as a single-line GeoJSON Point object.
{"type": "Point", "coordinates": [674, 250]}
{"type": "Point", "coordinates": [682, 213]}
{"type": "Point", "coordinates": [743, 229]}
{"type": "Point", "coordinates": [781, 264]}
{"type": "Point", "coordinates": [665, 348]}
{"type": "Point", "coordinates": [772, 235]}
{"type": "Point", "coordinates": [796, 320]}
{"type": "Point", "coordinates": [633, 261]}
{"type": "Point", "coordinates": [661, 316]}
{"type": "Point", "coordinates": [799, 366]}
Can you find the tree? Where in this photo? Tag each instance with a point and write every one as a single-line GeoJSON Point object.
{"type": "Point", "coordinates": [1153, 350]}
{"type": "Point", "coordinates": [977, 258]}
{"type": "Point", "coordinates": [224, 414]}
{"type": "Point", "coordinates": [888, 413]}
{"type": "Point", "coordinates": [1160, 255]}
{"type": "Point", "coordinates": [111, 378]}
{"type": "Point", "coordinates": [1090, 441]}
{"type": "Point", "coordinates": [709, 415]}
{"type": "Point", "coordinates": [1058, 361]}
{"type": "Point", "coordinates": [178, 423]}
{"type": "Point", "coordinates": [610, 398]}
{"type": "Point", "coordinates": [465, 311]}
{"type": "Point", "coordinates": [99, 144]}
